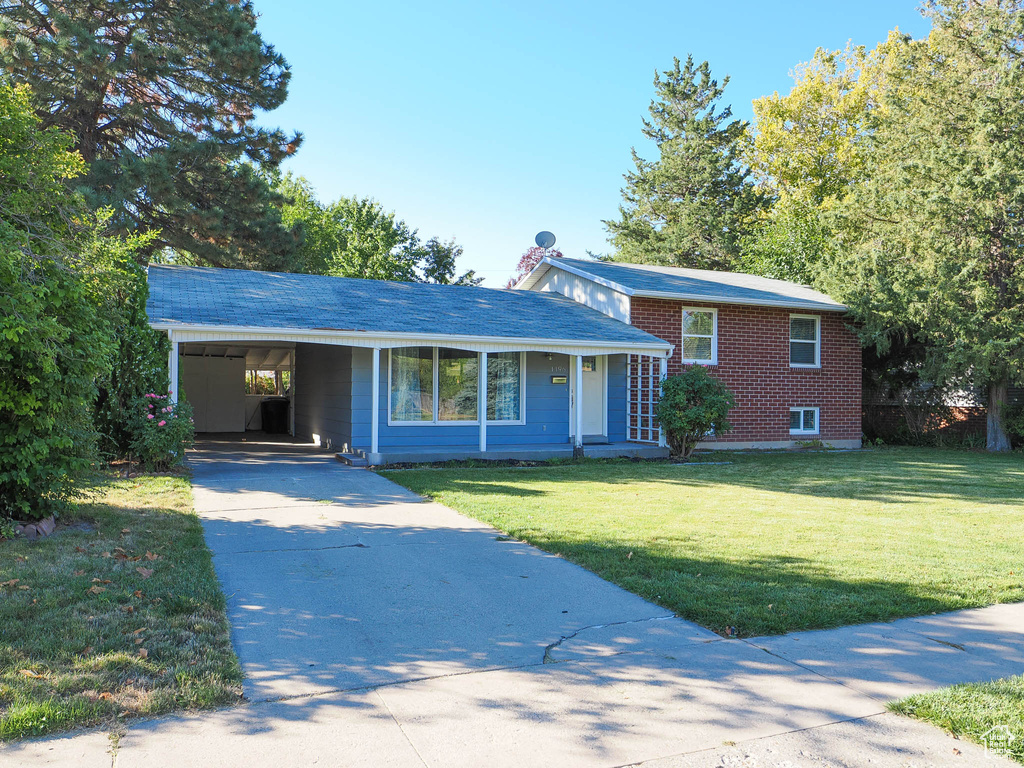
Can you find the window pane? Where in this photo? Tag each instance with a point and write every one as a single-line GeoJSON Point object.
{"type": "Point", "coordinates": [412, 384]}
{"type": "Point", "coordinates": [696, 348]}
{"type": "Point", "coordinates": [803, 328]}
{"type": "Point", "coordinates": [802, 353]}
{"type": "Point", "coordinates": [503, 386]}
{"type": "Point", "coordinates": [809, 421]}
{"type": "Point", "coordinates": [699, 323]}
{"type": "Point", "coordinates": [794, 420]}
{"type": "Point", "coordinates": [456, 383]}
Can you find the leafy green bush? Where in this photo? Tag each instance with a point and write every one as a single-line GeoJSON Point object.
{"type": "Point", "coordinates": [692, 406]}
{"type": "Point", "coordinates": [162, 431]}
{"type": "Point", "coordinates": [54, 341]}
{"type": "Point", "coordinates": [139, 361]}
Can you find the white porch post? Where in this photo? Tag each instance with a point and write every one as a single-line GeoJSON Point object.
{"type": "Point", "coordinates": [662, 375]}
{"type": "Point", "coordinates": [481, 400]}
{"type": "Point", "coordinates": [172, 368]}
{"type": "Point", "coordinates": [375, 402]}
{"type": "Point", "coordinates": [577, 413]}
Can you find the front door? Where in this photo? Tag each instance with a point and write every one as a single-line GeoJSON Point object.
{"type": "Point", "coordinates": [594, 405]}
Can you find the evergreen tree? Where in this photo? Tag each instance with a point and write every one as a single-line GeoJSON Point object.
{"type": "Point", "coordinates": [691, 206]}
{"type": "Point", "coordinates": [940, 218]}
{"type": "Point", "coordinates": [161, 99]}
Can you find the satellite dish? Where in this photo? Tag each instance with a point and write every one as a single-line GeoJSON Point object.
{"type": "Point", "coordinates": [544, 239]}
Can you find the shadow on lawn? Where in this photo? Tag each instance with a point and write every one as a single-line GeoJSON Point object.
{"type": "Point", "coordinates": [892, 476]}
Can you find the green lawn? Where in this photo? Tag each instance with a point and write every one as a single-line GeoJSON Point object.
{"type": "Point", "coordinates": [771, 542]}
{"type": "Point", "coordinates": [972, 710]}
{"type": "Point", "coordinates": [121, 618]}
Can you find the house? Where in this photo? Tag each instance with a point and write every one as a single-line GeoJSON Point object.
{"type": "Point", "coordinates": [394, 372]}
{"type": "Point", "coordinates": [783, 349]}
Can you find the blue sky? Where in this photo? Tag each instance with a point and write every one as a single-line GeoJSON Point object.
{"type": "Point", "coordinates": [491, 121]}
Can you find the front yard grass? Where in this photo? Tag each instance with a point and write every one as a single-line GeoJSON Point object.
{"type": "Point", "coordinates": [118, 615]}
{"type": "Point", "coordinates": [982, 712]}
{"type": "Point", "coordinates": [771, 542]}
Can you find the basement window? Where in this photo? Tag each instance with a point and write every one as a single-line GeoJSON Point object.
{"type": "Point", "coordinates": [803, 421]}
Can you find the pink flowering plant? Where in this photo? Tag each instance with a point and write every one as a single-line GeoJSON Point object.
{"type": "Point", "coordinates": [164, 430]}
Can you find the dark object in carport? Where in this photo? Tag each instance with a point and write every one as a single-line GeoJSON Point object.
{"type": "Point", "coordinates": [274, 413]}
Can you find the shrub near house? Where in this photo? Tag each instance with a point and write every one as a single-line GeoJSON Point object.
{"type": "Point", "coordinates": [692, 406]}
{"type": "Point", "coordinates": [163, 431]}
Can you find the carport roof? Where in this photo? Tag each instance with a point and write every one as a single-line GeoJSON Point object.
{"type": "Point", "coordinates": [182, 297]}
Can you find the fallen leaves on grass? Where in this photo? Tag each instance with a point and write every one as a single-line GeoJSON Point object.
{"type": "Point", "coordinates": [30, 673]}
{"type": "Point", "coordinates": [152, 556]}
{"type": "Point", "coordinates": [11, 583]}
{"type": "Point", "coordinates": [95, 590]}
{"type": "Point", "coordinates": [143, 653]}
{"type": "Point", "coordinates": [144, 572]}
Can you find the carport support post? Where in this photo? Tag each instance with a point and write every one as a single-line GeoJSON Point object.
{"type": "Point", "coordinates": [577, 411]}
{"type": "Point", "coordinates": [172, 369]}
{"type": "Point", "coordinates": [481, 400]}
{"type": "Point", "coordinates": [375, 402]}
{"type": "Point", "coordinates": [662, 375]}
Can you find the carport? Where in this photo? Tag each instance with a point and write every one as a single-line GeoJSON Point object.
{"type": "Point", "coordinates": [219, 382]}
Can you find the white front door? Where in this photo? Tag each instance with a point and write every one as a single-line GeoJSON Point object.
{"type": "Point", "coordinates": [595, 411]}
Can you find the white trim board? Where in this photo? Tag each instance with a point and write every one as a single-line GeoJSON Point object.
{"type": "Point", "coordinates": [216, 333]}
{"type": "Point", "coordinates": [530, 280]}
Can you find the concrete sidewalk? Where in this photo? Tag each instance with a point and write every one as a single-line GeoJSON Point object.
{"type": "Point", "coordinates": [377, 629]}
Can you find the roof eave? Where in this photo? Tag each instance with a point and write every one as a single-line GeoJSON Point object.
{"type": "Point", "coordinates": [364, 338]}
{"type": "Point", "coordinates": [780, 303]}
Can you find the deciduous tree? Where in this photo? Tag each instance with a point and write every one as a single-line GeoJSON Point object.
{"type": "Point", "coordinates": [940, 216]}
{"type": "Point", "coordinates": [358, 237]}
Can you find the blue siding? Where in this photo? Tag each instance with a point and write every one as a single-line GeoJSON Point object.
{"type": "Point", "coordinates": [547, 409]}
{"type": "Point", "coordinates": [323, 380]}
{"type": "Point", "coordinates": [617, 375]}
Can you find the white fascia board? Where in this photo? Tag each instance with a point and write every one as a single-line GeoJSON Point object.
{"type": "Point", "coordinates": [547, 262]}
{"type": "Point", "coordinates": [534, 276]}
{"type": "Point", "coordinates": [782, 303]}
{"type": "Point", "coordinates": [197, 332]}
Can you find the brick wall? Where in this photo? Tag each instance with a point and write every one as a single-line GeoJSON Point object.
{"type": "Point", "coordinates": [753, 361]}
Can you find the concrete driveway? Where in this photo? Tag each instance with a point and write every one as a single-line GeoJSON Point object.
{"type": "Point", "coordinates": [379, 629]}
{"type": "Point", "coordinates": [338, 579]}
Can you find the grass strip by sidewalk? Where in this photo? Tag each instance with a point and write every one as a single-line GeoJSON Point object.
{"type": "Point", "coordinates": [772, 542]}
{"type": "Point", "coordinates": [119, 614]}
{"type": "Point", "coordinates": [991, 714]}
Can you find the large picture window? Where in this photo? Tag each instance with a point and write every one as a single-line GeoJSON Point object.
{"type": "Point", "coordinates": [432, 385]}
{"type": "Point", "coordinates": [504, 386]}
{"type": "Point", "coordinates": [804, 341]}
{"type": "Point", "coordinates": [700, 336]}
{"type": "Point", "coordinates": [457, 376]}
{"type": "Point", "coordinates": [412, 384]}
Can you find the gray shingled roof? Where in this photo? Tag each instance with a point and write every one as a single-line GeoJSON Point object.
{"type": "Point", "coordinates": [180, 295]}
{"type": "Point", "coordinates": [699, 285]}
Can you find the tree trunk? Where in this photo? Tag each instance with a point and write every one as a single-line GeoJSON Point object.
{"type": "Point", "coordinates": [998, 396]}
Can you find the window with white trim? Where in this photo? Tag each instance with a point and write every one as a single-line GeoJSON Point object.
{"type": "Point", "coordinates": [803, 421]}
{"type": "Point", "coordinates": [437, 385]}
{"type": "Point", "coordinates": [804, 341]}
{"type": "Point", "coordinates": [700, 336]}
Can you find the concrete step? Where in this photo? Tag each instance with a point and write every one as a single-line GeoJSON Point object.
{"type": "Point", "coordinates": [352, 459]}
